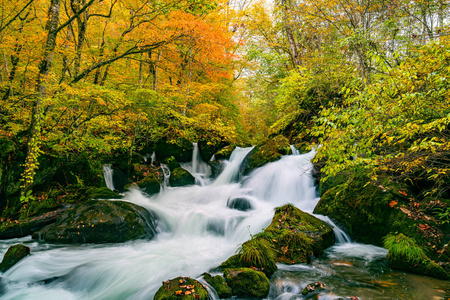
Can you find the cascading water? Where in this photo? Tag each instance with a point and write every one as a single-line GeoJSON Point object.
{"type": "Point", "coordinates": [197, 167]}
{"type": "Point", "coordinates": [294, 150]}
{"type": "Point", "coordinates": [108, 175]}
{"type": "Point", "coordinates": [166, 173]}
{"type": "Point", "coordinates": [198, 232]}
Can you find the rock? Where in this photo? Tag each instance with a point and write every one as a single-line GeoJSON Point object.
{"type": "Point", "coordinates": [242, 204]}
{"type": "Point", "coordinates": [10, 230]}
{"type": "Point", "coordinates": [313, 288]}
{"type": "Point", "coordinates": [100, 222]}
{"type": "Point", "coordinates": [181, 150]}
{"type": "Point", "coordinates": [268, 151]}
{"type": "Point", "coordinates": [219, 284]}
{"type": "Point", "coordinates": [224, 153]}
{"type": "Point", "coordinates": [405, 255]}
{"type": "Point", "coordinates": [181, 288]}
{"type": "Point", "coordinates": [297, 235]}
{"type": "Point", "coordinates": [216, 168]}
{"type": "Point", "coordinates": [181, 177]}
{"type": "Point", "coordinates": [120, 179]}
{"type": "Point", "coordinates": [13, 256]}
{"type": "Point", "coordinates": [246, 282]}
{"type": "Point", "coordinates": [150, 184]}
{"type": "Point", "coordinates": [101, 193]}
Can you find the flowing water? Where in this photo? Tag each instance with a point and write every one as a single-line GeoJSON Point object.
{"type": "Point", "coordinates": [108, 175]}
{"type": "Point", "coordinates": [198, 232]}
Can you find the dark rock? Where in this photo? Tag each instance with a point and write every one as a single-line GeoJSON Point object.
{"type": "Point", "coordinates": [13, 256]}
{"type": "Point", "coordinates": [181, 288]}
{"type": "Point", "coordinates": [219, 284]}
{"type": "Point", "coordinates": [181, 150]}
{"type": "Point", "coordinates": [181, 177]}
{"type": "Point", "coordinates": [171, 162]}
{"type": "Point", "coordinates": [216, 168]}
{"type": "Point", "coordinates": [150, 184]}
{"type": "Point", "coordinates": [246, 282]}
{"type": "Point", "coordinates": [101, 193]}
{"type": "Point", "coordinates": [242, 204]}
{"type": "Point", "coordinates": [120, 180]}
{"type": "Point", "coordinates": [313, 288]}
{"type": "Point", "coordinates": [100, 222]}
{"type": "Point", "coordinates": [9, 230]}
{"type": "Point", "coordinates": [224, 153]}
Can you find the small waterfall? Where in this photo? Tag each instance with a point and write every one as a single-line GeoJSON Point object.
{"type": "Point", "coordinates": [108, 175]}
{"type": "Point", "coordinates": [341, 236]}
{"type": "Point", "coordinates": [166, 172]}
{"type": "Point", "coordinates": [197, 167]}
{"type": "Point", "coordinates": [231, 171]}
{"type": "Point", "coordinates": [294, 150]}
{"type": "Point", "coordinates": [153, 157]}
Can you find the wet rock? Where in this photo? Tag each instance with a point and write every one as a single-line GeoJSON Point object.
{"type": "Point", "coordinates": [246, 282]}
{"type": "Point", "coordinates": [224, 153]}
{"type": "Point", "coordinates": [181, 288]}
{"type": "Point", "coordinates": [100, 222]}
{"type": "Point", "coordinates": [150, 184]}
{"type": "Point", "coordinates": [216, 168]}
{"type": "Point", "coordinates": [101, 193]}
{"type": "Point", "coordinates": [219, 284]}
{"type": "Point", "coordinates": [297, 235]}
{"type": "Point", "coordinates": [181, 177]}
{"type": "Point", "coordinates": [313, 288]}
{"type": "Point", "coordinates": [21, 228]}
{"type": "Point", "coordinates": [405, 255]}
{"type": "Point", "coordinates": [268, 151]}
{"type": "Point", "coordinates": [181, 150]}
{"type": "Point", "coordinates": [242, 204]}
{"type": "Point", "coordinates": [13, 256]}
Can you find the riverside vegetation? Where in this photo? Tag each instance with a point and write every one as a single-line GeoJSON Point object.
{"type": "Point", "coordinates": [86, 83]}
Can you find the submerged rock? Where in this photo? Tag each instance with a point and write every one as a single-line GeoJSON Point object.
{"type": "Point", "coordinates": [100, 222]}
{"type": "Point", "coordinates": [13, 256]}
{"type": "Point", "coordinates": [181, 288]}
{"type": "Point", "coordinates": [242, 204]}
{"type": "Point", "coordinates": [219, 284]}
{"type": "Point", "coordinates": [313, 288]}
{"type": "Point", "coordinates": [181, 177]}
{"type": "Point", "coordinates": [246, 282]}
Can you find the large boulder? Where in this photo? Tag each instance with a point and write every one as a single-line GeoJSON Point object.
{"type": "Point", "coordinates": [181, 288]}
{"type": "Point", "coordinates": [21, 228]}
{"type": "Point", "coordinates": [297, 236]}
{"type": "Point", "coordinates": [13, 256]}
{"type": "Point", "coordinates": [100, 222]}
{"type": "Point", "coordinates": [248, 283]}
{"type": "Point", "coordinates": [370, 212]}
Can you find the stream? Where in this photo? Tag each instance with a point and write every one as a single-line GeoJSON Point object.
{"type": "Point", "coordinates": [198, 231]}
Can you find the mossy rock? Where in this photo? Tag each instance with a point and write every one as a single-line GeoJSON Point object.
{"type": "Point", "coordinates": [100, 222]}
{"type": "Point", "coordinates": [219, 284]}
{"type": "Point", "coordinates": [150, 184]}
{"type": "Point", "coordinates": [405, 255]}
{"type": "Point", "coordinates": [171, 162]}
{"type": "Point", "coordinates": [101, 193]}
{"type": "Point", "coordinates": [248, 283]}
{"type": "Point", "coordinates": [181, 149]}
{"type": "Point", "coordinates": [224, 153]}
{"type": "Point", "coordinates": [363, 209]}
{"type": "Point", "coordinates": [24, 227]}
{"type": "Point", "coordinates": [181, 288]}
{"type": "Point", "coordinates": [181, 177]}
{"type": "Point", "coordinates": [268, 151]}
{"type": "Point", "coordinates": [297, 235]}
{"type": "Point", "coordinates": [13, 256]}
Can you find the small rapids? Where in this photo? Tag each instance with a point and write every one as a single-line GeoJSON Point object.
{"type": "Point", "coordinates": [197, 232]}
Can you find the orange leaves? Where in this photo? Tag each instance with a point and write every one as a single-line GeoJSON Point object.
{"type": "Point", "coordinates": [393, 203]}
{"type": "Point", "coordinates": [424, 227]}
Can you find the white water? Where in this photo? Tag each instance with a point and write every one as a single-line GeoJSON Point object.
{"type": "Point", "coordinates": [294, 150]}
{"type": "Point", "coordinates": [197, 233]}
{"type": "Point", "coordinates": [108, 175]}
{"type": "Point", "coordinates": [197, 167]}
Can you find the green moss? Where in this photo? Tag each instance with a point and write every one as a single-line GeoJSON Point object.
{"type": "Point", "coordinates": [150, 184]}
{"type": "Point", "coordinates": [13, 256]}
{"type": "Point", "coordinates": [181, 288]}
{"type": "Point", "coordinates": [181, 177]}
{"type": "Point", "coordinates": [246, 282]}
{"type": "Point", "coordinates": [258, 253]}
{"type": "Point", "coordinates": [404, 254]}
{"type": "Point", "coordinates": [268, 151]}
{"type": "Point", "coordinates": [219, 284]}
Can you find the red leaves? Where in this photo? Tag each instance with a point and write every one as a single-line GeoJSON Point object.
{"type": "Point", "coordinates": [424, 227]}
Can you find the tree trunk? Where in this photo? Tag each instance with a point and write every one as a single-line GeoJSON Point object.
{"type": "Point", "coordinates": [31, 162]}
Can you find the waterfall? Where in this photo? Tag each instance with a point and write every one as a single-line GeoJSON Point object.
{"type": "Point", "coordinates": [166, 172]}
{"type": "Point", "coordinates": [231, 171]}
{"type": "Point", "coordinates": [197, 167]}
{"type": "Point", "coordinates": [294, 150]}
{"type": "Point", "coordinates": [198, 232]}
{"type": "Point", "coordinates": [108, 175]}
{"type": "Point", "coordinates": [152, 158]}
